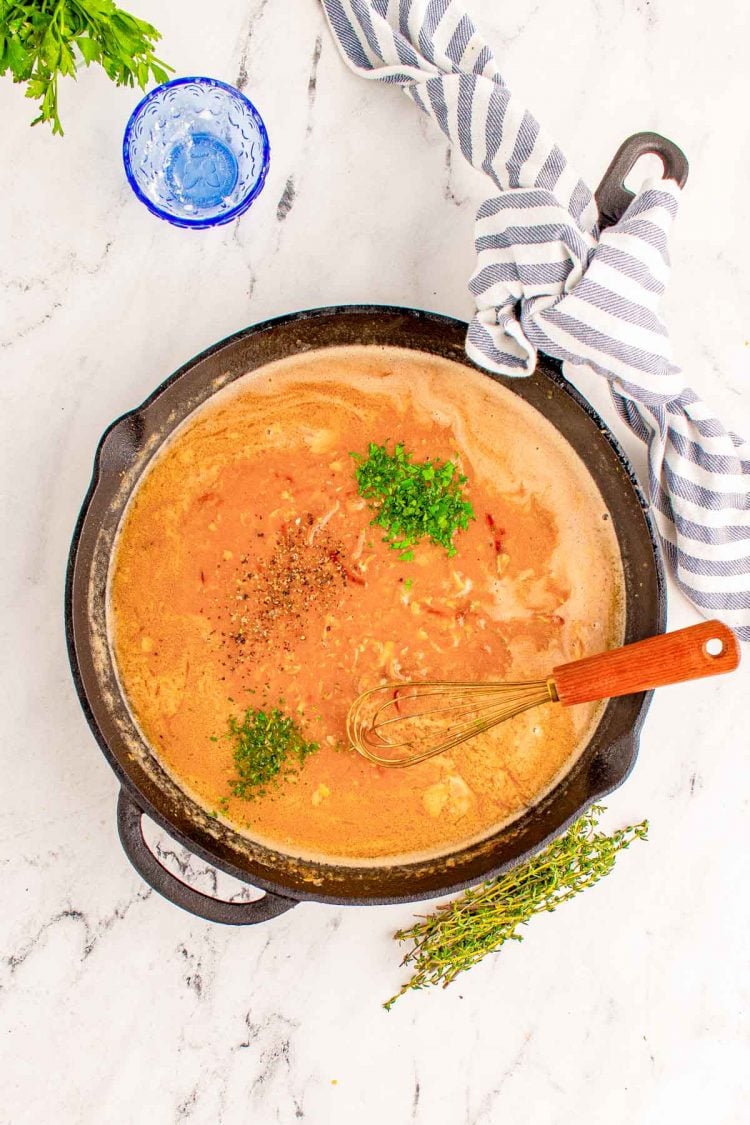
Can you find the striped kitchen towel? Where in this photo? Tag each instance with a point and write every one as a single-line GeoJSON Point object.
{"type": "Point", "coordinates": [546, 278]}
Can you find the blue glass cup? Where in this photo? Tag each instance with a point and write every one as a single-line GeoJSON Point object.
{"type": "Point", "coordinates": [196, 152]}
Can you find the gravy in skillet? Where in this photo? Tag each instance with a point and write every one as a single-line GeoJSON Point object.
{"type": "Point", "coordinates": [247, 573]}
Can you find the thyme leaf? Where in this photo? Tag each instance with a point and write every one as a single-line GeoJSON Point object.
{"type": "Point", "coordinates": [483, 918]}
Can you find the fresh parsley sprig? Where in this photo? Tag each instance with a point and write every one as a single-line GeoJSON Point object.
{"type": "Point", "coordinates": [44, 40]}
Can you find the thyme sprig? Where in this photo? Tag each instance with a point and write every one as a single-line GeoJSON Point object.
{"type": "Point", "coordinates": [483, 918]}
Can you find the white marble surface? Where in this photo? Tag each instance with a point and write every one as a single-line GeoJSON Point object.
{"type": "Point", "coordinates": [628, 1005]}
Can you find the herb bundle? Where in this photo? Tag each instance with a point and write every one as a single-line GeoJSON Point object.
{"type": "Point", "coordinates": [268, 746]}
{"type": "Point", "coordinates": [483, 918]}
{"type": "Point", "coordinates": [413, 500]}
{"type": "Point", "coordinates": [44, 40]}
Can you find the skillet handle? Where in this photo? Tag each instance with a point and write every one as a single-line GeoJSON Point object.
{"type": "Point", "coordinates": [612, 197]}
{"type": "Point", "coordinates": [129, 826]}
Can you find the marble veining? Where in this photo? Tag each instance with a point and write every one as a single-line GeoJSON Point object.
{"type": "Point", "coordinates": [627, 1005]}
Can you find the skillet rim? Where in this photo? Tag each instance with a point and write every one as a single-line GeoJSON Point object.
{"type": "Point", "coordinates": [627, 745]}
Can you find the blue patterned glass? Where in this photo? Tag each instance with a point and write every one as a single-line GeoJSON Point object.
{"type": "Point", "coordinates": [196, 152]}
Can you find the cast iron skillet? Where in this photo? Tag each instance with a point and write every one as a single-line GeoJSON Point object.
{"type": "Point", "coordinates": [124, 453]}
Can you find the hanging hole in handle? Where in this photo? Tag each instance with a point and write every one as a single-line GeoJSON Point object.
{"type": "Point", "coordinates": [612, 197]}
{"type": "Point", "coordinates": [714, 647]}
{"type": "Point", "coordinates": [650, 166]}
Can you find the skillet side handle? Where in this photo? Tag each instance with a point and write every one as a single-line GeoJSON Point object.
{"type": "Point", "coordinates": [129, 826]}
{"type": "Point", "coordinates": [612, 197]}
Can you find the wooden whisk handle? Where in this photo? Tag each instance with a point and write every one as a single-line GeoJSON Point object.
{"type": "Point", "coordinates": [701, 650]}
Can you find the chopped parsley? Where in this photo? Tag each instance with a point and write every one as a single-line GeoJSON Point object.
{"type": "Point", "coordinates": [413, 500]}
{"type": "Point", "coordinates": [268, 746]}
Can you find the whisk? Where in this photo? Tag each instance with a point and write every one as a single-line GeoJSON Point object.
{"type": "Point", "coordinates": [400, 724]}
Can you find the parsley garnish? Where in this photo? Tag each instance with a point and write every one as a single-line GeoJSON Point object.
{"type": "Point", "coordinates": [413, 500]}
{"type": "Point", "coordinates": [42, 40]}
{"type": "Point", "coordinates": [268, 746]}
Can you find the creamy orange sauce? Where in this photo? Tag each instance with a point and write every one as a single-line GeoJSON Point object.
{"type": "Point", "coordinates": [247, 573]}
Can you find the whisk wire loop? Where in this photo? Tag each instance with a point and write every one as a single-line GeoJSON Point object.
{"type": "Point", "coordinates": [401, 724]}
{"type": "Point", "coordinates": [421, 719]}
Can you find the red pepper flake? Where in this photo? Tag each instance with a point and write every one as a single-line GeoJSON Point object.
{"type": "Point", "coordinates": [353, 575]}
{"type": "Point", "coordinates": [497, 533]}
{"type": "Point", "coordinates": [436, 611]}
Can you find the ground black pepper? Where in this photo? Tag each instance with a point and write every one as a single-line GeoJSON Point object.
{"type": "Point", "coordinates": [304, 574]}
